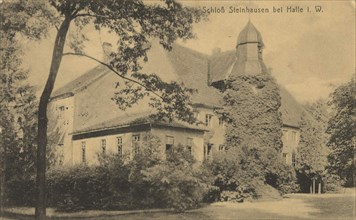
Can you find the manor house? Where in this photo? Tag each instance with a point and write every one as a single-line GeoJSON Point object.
{"type": "Point", "coordinates": [86, 121]}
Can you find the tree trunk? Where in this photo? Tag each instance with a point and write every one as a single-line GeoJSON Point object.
{"type": "Point", "coordinates": [42, 119]}
{"type": "Point", "coordinates": [311, 188]}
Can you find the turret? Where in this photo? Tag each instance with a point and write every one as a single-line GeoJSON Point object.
{"type": "Point", "coordinates": [249, 52]}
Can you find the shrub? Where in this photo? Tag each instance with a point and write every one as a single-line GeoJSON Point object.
{"type": "Point", "coordinates": [145, 181]}
{"type": "Point", "coordinates": [248, 169]}
{"type": "Point", "coordinates": [178, 182]}
{"type": "Point", "coordinates": [89, 187]}
{"type": "Point", "coordinates": [332, 183]}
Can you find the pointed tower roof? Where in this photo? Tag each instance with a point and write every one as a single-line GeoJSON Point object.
{"type": "Point", "coordinates": [249, 35]}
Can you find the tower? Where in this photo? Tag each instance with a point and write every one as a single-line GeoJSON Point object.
{"type": "Point", "coordinates": [249, 47]}
{"type": "Point", "coordinates": [245, 60]}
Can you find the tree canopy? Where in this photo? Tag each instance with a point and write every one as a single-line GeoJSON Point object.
{"type": "Point", "coordinates": [341, 128]}
{"type": "Point", "coordinates": [134, 22]}
{"type": "Point", "coordinates": [17, 106]}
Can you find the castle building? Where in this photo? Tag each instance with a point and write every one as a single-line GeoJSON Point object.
{"type": "Point", "coordinates": [84, 121]}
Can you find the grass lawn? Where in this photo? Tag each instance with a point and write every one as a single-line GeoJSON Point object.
{"type": "Point", "coordinates": [296, 206]}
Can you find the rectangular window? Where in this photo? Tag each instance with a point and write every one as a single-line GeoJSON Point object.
{"type": "Point", "coordinates": [83, 152]}
{"type": "Point", "coordinates": [294, 135]}
{"type": "Point", "coordinates": [207, 150]}
{"type": "Point", "coordinates": [208, 120]}
{"type": "Point", "coordinates": [196, 115]}
{"type": "Point", "coordinates": [169, 143]}
{"type": "Point", "coordinates": [103, 146]}
{"type": "Point", "coordinates": [221, 147]}
{"type": "Point", "coordinates": [190, 145]}
{"type": "Point", "coordinates": [61, 111]}
{"type": "Point", "coordinates": [221, 121]}
{"type": "Point", "coordinates": [136, 143]}
{"type": "Point", "coordinates": [284, 155]}
{"type": "Point", "coordinates": [135, 138]}
{"type": "Point", "coordinates": [293, 159]}
{"type": "Point", "coordinates": [119, 146]}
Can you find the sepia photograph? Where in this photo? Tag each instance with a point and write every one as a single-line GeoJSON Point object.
{"type": "Point", "coordinates": [177, 109]}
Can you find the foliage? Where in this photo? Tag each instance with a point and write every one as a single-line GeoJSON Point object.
{"type": "Point", "coordinates": [341, 128]}
{"type": "Point", "coordinates": [251, 106]}
{"type": "Point", "coordinates": [253, 137]}
{"type": "Point", "coordinates": [312, 152]}
{"type": "Point", "coordinates": [134, 23]}
{"type": "Point", "coordinates": [239, 169]}
{"type": "Point", "coordinates": [17, 107]}
{"type": "Point", "coordinates": [142, 180]}
{"type": "Point", "coordinates": [178, 181]}
{"type": "Point", "coordinates": [82, 187]}
{"type": "Point", "coordinates": [332, 183]}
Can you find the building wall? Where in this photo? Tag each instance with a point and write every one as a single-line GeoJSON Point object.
{"type": "Point", "coordinates": [180, 137]}
{"type": "Point", "coordinates": [216, 129]}
{"type": "Point", "coordinates": [60, 126]}
{"type": "Point", "coordinates": [93, 145]}
{"type": "Point", "coordinates": [290, 139]}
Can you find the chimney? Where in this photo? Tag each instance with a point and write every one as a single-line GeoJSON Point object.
{"type": "Point", "coordinates": [107, 50]}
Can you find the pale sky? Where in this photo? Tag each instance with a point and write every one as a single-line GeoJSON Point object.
{"type": "Point", "coordinates": [309, 53]}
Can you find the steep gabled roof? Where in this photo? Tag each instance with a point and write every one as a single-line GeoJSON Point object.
{"type": "Point", "coordinates": [192, 68]}
{"type": "Point", "coordinates": [291, 110]}
{"type": "Point", "coordinates": [81, 82]}
{"type": "Point", "coordinates": [95, 109]}
{"type": "Point", "coordinates": [220, 65]}
{"type": "Point", "coordinates": [189, 67]}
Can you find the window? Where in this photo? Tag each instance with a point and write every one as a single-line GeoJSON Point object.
{"type": "Point", "coordinates": [221, 147]}
{"type": "Point", "coordinates": [135, 138]}
{"type": "Point", "coordinates": [294, 135]}
{"type": "Point", "coordinates": [135, 143]}
{"type": "Point", "coordinates": [83, 152]}
{"type": "Point", "coordinates": [61, 111]}
{"type": "Point", "coordinates": [103, 146]}
{"type": "Point", "coordinates": [284, 155]}
{"type": "Point", "coordinates": [196, 115]}
{"type": "Point", "coordinates": [189, 145]}
{"type": "Point", "coordinates": [293, 159]}
{"type": "Point", "coordinates": [169, 143]}
{"type": "Point", "coordinates": [207, 150]}
{"type": "Point", "coordinates": [119, 146]}
{"type": "Point", "coordinates": [208, 120]}
{"type": "Point", "coordinates": [221, 121]}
